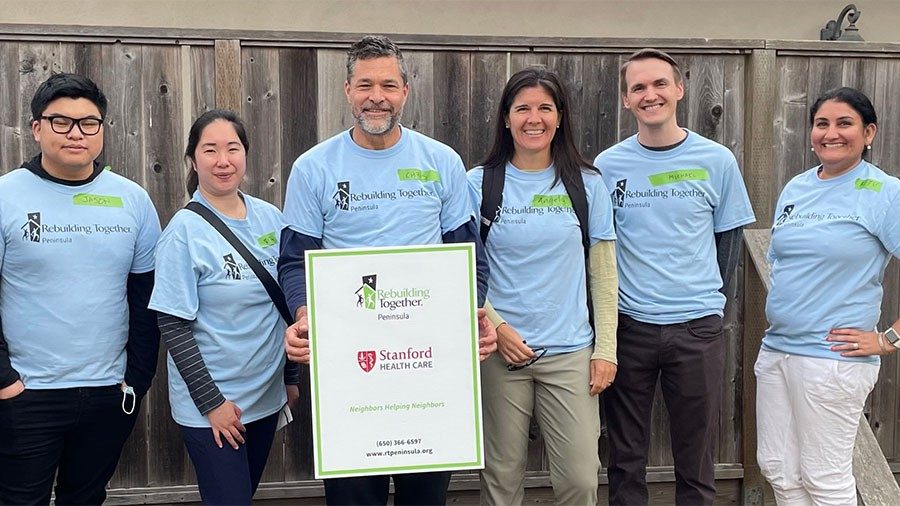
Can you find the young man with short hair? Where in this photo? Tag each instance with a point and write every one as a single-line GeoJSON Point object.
{"type": "Point", "coordinates": [679, 204]}
{"type": "Point", "coordinates": [78, 346]}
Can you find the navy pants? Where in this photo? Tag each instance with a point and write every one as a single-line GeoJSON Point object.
{"type": "Point", "coordinates": [409, 489]}
{"type": "Point", "coordinates": [226, 475]}
{"type": "Point", "coordinates": [73, 434]}
{"type": "Point", "coordinates": [688, 360]}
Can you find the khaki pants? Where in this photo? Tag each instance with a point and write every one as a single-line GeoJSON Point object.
{"type": "Point", "coordinates": [556, 389]}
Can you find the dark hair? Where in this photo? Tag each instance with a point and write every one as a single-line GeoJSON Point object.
{"type": "Point", "coordinates": [196, 132]}
{"type": "Point", "coordinates": [568, 161]}
{"type": "Point", "coordinates": [850, 96]}
{"type": "Point", "coordinates": [647, 54]}
{"type": "Point", "coordinates": [66, 85]}
{"type": "Point", "coordinates": [374, 46]}
{"type": "Point", "coordinates": [856, 99]}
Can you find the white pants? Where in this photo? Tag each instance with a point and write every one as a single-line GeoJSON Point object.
{"type": "Point", "coordinates": [807, 415]}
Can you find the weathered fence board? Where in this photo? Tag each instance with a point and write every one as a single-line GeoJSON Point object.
{"type": "Point", "coordinates": [291, 96]}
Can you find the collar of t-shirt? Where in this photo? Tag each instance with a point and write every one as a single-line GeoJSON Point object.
{"type": "Point", "coordinates": [35, 166]}
{"type": "Point", "coordinates": [665, 148]}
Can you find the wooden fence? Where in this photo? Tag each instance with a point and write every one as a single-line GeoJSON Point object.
{"type": "Point", "coordinates": [750, 95]}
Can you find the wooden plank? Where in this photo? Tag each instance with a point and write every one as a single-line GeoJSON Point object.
{"type": "Point", "coordinates": [37, 61]}
{"type": "Point", "coordinates": [194, 35]}
{"type": "Point", "coordinates": [824, 74]}
{"type": "Point", "coordinates": [845, 48]}
{"type": "Point", "coordinates": [875, 482]}
{"type": "Point", "coordinates": [760, 142]}
{"type": "Point", "coordinates": [683, 112]}
{"type": "Point", "coordinates": [451, 102]}
{"type": "Point", "coordinates": [791, 124]}
{"type": "Point", "coordinates": [732, 125]}
{"type": "Point", "coordinates": [599, 103]}
{"type": "Point", "coordinates": [203, 89]}
{"type": "Point", "coordinates": [757, 245]}
{"type": "Point", "coordinates": [570, 68]}
{"type": "Point", "coordinates": [298, 112]}
{"type": "Point", "coordinates": [706, 94]}
{"type": "Point", "coordinates": [162, 136]}
{"type": "Point", "coordinates": [489, 71]}
{"type": "Point", "coordinates": [519, 61]}
{"type": "Point", "coordinates": [261, 104]}
{"type": "Point", "coordinates": [859, 73]}
{"type": "Point", "coordinates": [13, 119]}
{"type": "Point", "coordinates": [418, 113]}
{"type": "Point", "coordinates": [228, 74]}
{"type": "Point", "coordinates": [756, 282]}
{"type": "Point", "coordinates": [333, 113]}
{"type": "Point", "coordinates": [733, 102]}
{"type": "Point", "coordinates": [627, 124]}
{"type": "Point", "coordinates": [885, 399]}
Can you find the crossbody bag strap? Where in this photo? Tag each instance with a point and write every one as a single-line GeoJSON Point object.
{"type": "Point", "coordinates": [262, 274]}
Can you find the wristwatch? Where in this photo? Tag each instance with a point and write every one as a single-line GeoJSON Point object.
{"type": "Point", "coordinates": [892, 337]}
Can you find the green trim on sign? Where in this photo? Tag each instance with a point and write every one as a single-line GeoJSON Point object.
{"type": "Point", "coordinates": [90, 199]}
{"type": "Point", "coordinates": [314, 372]}
{"type": "Point", "coordinates": [677, 176]}
{"type": "Point", "coordinates": [423, 175]}
{"type": "Point", "coordinates": [267, 240]}
{"type": "Point", "coordinates": [868, 184]}
{"type": "Point", "coordinates": [551, 201]}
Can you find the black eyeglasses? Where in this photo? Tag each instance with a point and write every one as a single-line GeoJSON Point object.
{"type": "Point", "coordinates": [538, 353]}
{"type": "Point", "coordinates": [64, 124]}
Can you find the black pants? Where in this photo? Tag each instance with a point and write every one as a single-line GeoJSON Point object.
{"type": "Point", "coordinates": [226, 475]}
{"type": "Point", "coordinates": [409, 489]}
{"type": "Point", "coordinates": [74, 434]}
{"type": "Point", "coordinates": [688, 359]}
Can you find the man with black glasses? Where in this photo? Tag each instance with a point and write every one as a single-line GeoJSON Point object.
{"type": "Point", "coordinates": [78, 346]}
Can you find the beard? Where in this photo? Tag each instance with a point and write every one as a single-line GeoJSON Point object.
{"type": "Point", "coordinates": [377, 126]}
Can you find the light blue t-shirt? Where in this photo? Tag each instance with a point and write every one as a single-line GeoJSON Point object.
{"type": "Point", "coordinates": [239, 332]}
{"type": "Point", "coordinates": [349, 196]}
{"type": "Point", "coordinates": [536, 257]}
{"type": "Point", "coordinates": [65, 256]}
{"type": "Point", "coordinates": [668, 205]}
{"type": "Point", "coordinates": [831, 242]}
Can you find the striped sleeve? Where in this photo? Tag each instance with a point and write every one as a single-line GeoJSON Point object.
{"type": "Point", "coordinates": [178, 335]}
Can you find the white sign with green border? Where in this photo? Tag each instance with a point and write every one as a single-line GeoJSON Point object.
{"type": "Point", "coordinates": [395, 378]}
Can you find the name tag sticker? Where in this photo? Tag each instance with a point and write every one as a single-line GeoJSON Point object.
{"type": "Point", "coordinates": [267, 240]}
{"type": "Point", "coordinates": [868, 184]}
{"type": "Point", "coordinates": [90, 199]}
{"type": "Point", "coordinates": [551, 201]}
{"type": "Point", "coordinates": [423, 175]}
{"type": "Point", "coordinates": [677, 176]}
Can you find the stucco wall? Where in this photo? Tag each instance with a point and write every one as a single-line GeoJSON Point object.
{"type": "Point", "coordinates": [746, 19]}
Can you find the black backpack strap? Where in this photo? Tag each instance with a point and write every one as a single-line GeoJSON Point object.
{"type": "Point", "coordinates": [578, 196]}
{"type": "Point", "coordinates": [262, 274]}
{"type": "Point", "coordinates": [491, 197]}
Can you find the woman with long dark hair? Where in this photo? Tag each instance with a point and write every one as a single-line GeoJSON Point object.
{"type": "Point", "coordinates": [223, 332]}
{"type": "Point", "coordinates": [551, 361]}
{"type": "Point", "coordinates": [836, 227]}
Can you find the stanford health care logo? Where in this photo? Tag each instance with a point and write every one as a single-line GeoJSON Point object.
{"type": "Point", "coordinates": [366, 360]}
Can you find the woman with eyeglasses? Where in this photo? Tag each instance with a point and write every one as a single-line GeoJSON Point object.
{"type": "Point", "coordinates": [551, 361]}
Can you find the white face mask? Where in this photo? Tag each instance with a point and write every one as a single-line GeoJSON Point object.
{"type": "Point", "coordinates": [126, 392]}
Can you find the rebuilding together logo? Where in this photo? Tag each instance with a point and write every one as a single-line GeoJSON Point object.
{"type": "Point", "coordinates": [35, 230]}
{"type": "Point", "coordinates": [369, 297]}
